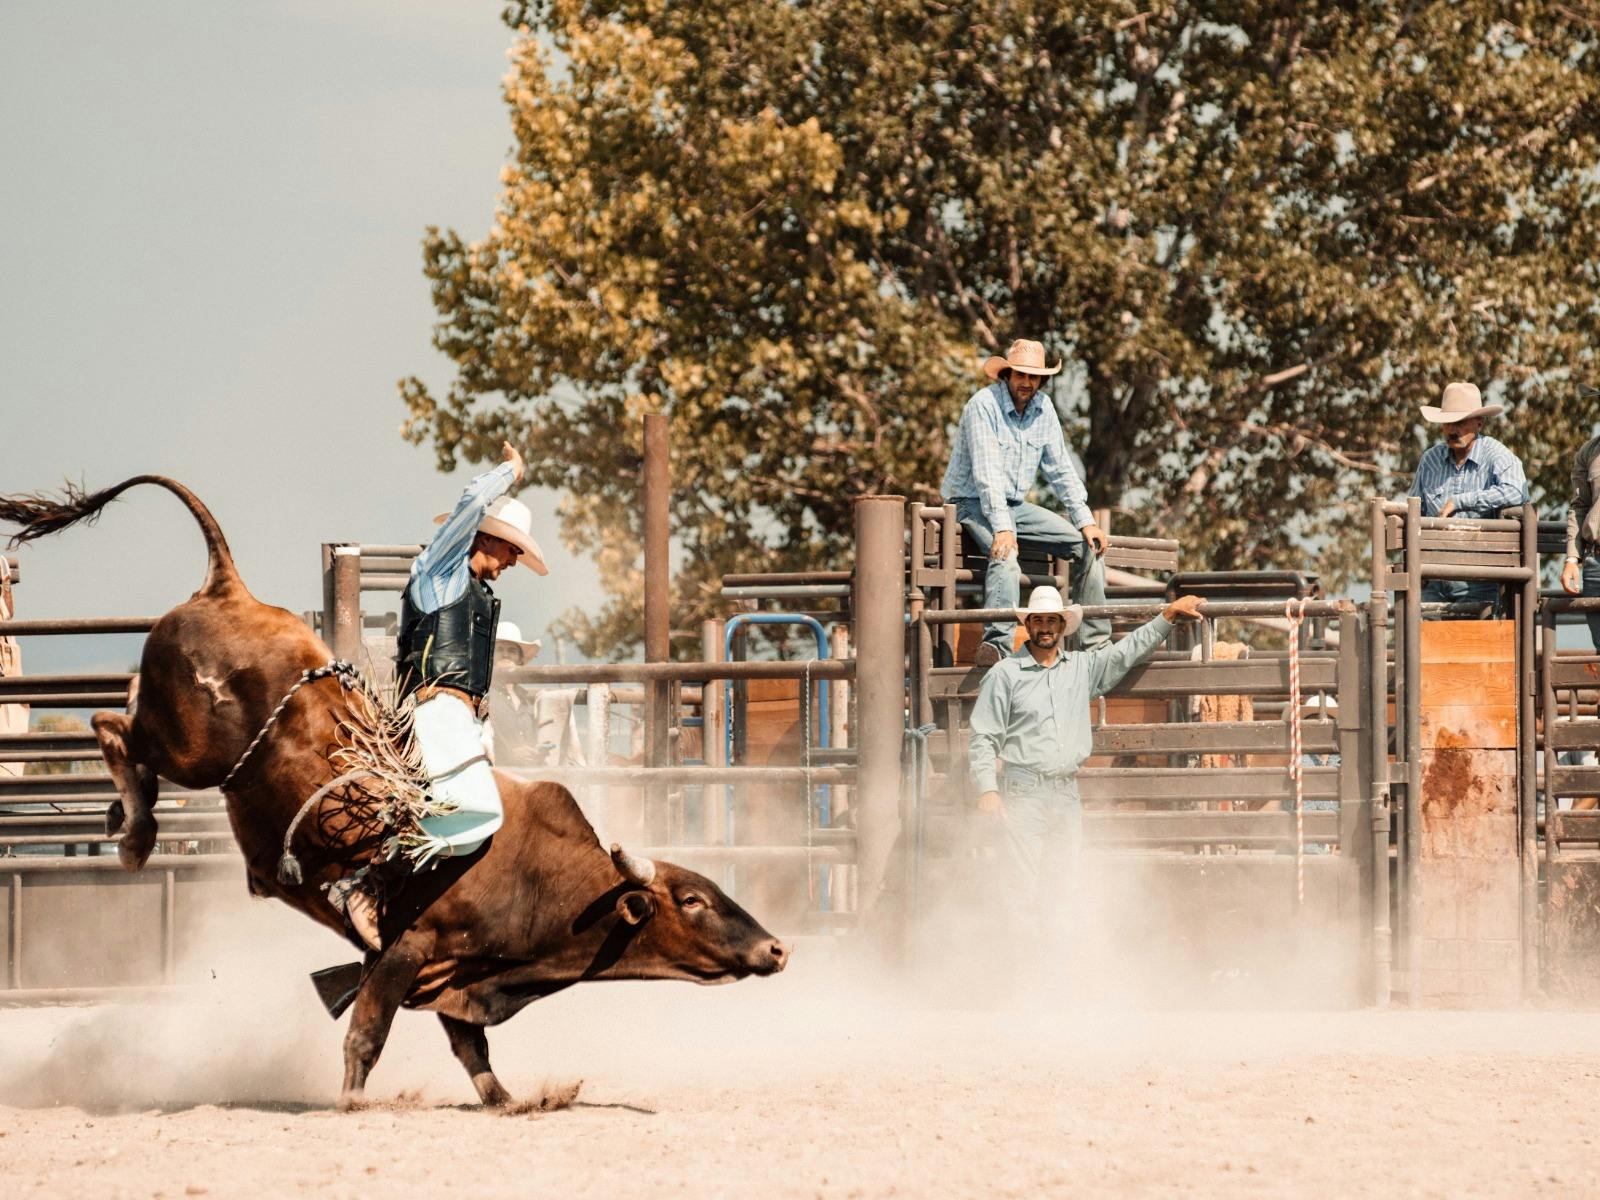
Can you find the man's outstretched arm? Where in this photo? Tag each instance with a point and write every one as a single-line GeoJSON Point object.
{"type": "Point", "coordinates": [1108, 664]}
{"type": "Point", "coordinates": [448, 549]}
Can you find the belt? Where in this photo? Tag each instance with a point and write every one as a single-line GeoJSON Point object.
{"type": "Point", "coordinates": [432, 690]}
{"type": "Point", "coordinates": [1028, 773]}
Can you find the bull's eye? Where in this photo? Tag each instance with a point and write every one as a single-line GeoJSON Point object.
{"type": "Point", "coordinates": [690, 901]}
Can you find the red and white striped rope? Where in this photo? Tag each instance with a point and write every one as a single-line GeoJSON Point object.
{"type": "Point", "coordinates": [1294, 612]}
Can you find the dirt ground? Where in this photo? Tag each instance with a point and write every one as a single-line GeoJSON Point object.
{"type": "Point", "coordinates": [798, 1086]}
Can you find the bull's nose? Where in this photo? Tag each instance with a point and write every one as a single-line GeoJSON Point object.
{"type": "Point", "coordinates": [777, 954]}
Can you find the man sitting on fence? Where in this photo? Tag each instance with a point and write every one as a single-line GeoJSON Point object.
{"type": "Point", "coordinates": [1032, 714]}
{"type": "Point", "coordinates": [1466, 475]}
{"type": "Point", "coordinates": [445, 659]}
{"type": "Point", "coordinates": [1008, 432]}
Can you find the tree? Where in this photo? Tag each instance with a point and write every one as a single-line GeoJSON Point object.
{"type": "Point", "coordinates": [1260, 234]}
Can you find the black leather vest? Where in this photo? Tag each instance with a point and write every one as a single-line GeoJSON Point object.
{"type": "Point", "coordinates": [453, 647]}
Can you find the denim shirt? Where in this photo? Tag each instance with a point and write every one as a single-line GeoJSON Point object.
{"type": "Point", "coordinates": [999, 452]}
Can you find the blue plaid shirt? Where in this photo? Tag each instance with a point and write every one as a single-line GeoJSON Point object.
{"type": "Point", "coordinates": [998, 454]}
{"type": "Point", "coordinates": [440, 573]}
{"type": "Point", "coordinates": [1490, 479]}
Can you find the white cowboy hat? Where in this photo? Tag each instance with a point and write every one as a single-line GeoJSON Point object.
{"type": "Point", "coordinates": [1024, 356]}
{"type": "Point", "coordinates": [508, 635]}
{"type": "Point", "coordinates": [510, 521]}
{"type": "Point", "coordinates": [1461, 402]}
{"type": "Point", "coordinates": [1046, 601]}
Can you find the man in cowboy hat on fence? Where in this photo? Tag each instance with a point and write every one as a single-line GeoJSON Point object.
{"type": "Point", "coordinates": [1032, 714]}
{"type": "Point", "coordinates": [1466, 475]}
{"type": "Point", "coordinates": [445, 659]}
{"type": "Point", "coordinates": [1008, 432]}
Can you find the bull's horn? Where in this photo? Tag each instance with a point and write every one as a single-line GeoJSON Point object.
{"type": "Point", "coordinates": [635, 870]}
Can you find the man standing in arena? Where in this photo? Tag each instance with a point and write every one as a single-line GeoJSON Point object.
{"type": "Point", "coordinates": [1032, 714]}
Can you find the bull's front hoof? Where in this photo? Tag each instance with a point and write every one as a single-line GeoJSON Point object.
{"type": "Point", "coordinates": [350, 1102]}
{"type": "Point", "coordinates": [116, 818]}
{"type": "Point", "coordinates": [135, 847]}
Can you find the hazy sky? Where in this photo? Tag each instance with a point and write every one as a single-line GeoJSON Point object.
{"type": "Point", "coordinates": [212, 218]}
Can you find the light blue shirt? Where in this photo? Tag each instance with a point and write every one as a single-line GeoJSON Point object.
{"type": "Point", "coordinates": [440, 573]}
{"type": "Point", "coordinates": [1037, 717]}
{"type": "Point", "coordinates": [1490, 479]}
{"type": "Point", "coordinates": [999, 452]}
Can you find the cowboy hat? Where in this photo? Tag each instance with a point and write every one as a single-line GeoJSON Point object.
{"type": "Point", "coordinates": [1461, 402]}
{"type": "Point", "coordinates": [508, 636]}
{"type": "Point", "coordinates": [1024, 356]}
{"type": "Point", "coordinates": [510, 521]}
{"type": "Point", "coordinates": [1045, 601]}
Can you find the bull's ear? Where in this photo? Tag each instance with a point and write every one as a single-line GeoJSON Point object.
{"type": "Point", "coordinates": [635, 907]}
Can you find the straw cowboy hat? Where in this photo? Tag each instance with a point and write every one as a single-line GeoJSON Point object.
{"type": "Point", "coordinates": [510, 521]}
{"type": "Point", "coordinates": [1045, 601]}
{"type": "Point", "coordinates": [1024, 356]}
{"type": "Point", "coordinates": [508, 636]}
{"type": "Point", "coordinates": [1461, 402]}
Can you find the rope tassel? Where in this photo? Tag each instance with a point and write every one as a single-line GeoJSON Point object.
{"type": "Point", "coordinates": [289, 872]}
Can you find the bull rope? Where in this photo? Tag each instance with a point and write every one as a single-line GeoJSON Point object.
{"type": "Point", "coordinates": [346, 673]}
{"type": "Point", "coordinates": [289, 869]}
{"type": "Point", "coordinates": [1294, 611]}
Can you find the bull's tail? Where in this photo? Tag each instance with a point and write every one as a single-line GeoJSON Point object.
{"type": "Point", "coordinates": [37, 514]}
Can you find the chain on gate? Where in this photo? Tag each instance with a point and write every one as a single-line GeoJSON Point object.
{"type": "Point", "coordinates": [1294, 611]}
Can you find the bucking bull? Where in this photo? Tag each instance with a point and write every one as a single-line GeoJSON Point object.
{"type": "Point", "coordinates": [543, 906]}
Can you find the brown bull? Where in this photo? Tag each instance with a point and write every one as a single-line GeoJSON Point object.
{"type": "Point", "coordinates": [542, 907]}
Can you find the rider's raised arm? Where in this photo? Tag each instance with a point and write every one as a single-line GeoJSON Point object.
{"type": "Point", "coordinates": [447, 553]}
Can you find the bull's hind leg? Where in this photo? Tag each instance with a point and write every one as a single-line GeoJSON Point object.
{"type": "Point", "coordinates": [471, 1046]}
{"type": "Point", "coordinates": [377, 1002]}
{"type": "Point", "coordinates": [131, 816]}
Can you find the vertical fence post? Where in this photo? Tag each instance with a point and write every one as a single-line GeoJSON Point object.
{"type": "Point", "coordinates": [14, 934]}
{"type": "Point", "coordinates": [657, 614]}
{"type": "Point", "coordinates": [597, 697]}
{"type": "Point", "coordinates": [1378, 754]}
{"type": "Point", "coordinates": [839, 735]}
{"type": "Point", "coordinates": [1411, 851]}
{"type": "Point", "coordinates": [713, 731]}
{"type": "Point", "coordinates": [1527, 677]}
{"type": "Point", "coordinates": [169, 926]}
{"type": "Point", "coordinates": [1355, 766]}
{"type": "Point", "coordinates": [343, 625]}
{"type": "Point", "coordinates": [1552, 802]}
{"type": "Point", "coordinates": [878, 608]}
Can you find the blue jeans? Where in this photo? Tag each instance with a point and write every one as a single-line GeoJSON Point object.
{"type": "Point", "coordinates": [1591, 587]}
{"type": "Point", "coordinates": [1002, 581]}
{"type": "Point", "coordinates": [1043, 818]}
{"type": "Point", "coordinates": [1462, 591]}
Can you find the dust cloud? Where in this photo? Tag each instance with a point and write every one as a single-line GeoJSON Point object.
{"type": "Point", "coordinates": [1141, 1049]}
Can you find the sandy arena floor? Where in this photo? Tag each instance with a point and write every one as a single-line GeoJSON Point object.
{"type": "Point", "coordinates": [796, 1086]}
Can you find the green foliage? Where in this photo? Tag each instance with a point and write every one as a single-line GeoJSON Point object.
{"type": "Point", "coordinates": [1261, 235]}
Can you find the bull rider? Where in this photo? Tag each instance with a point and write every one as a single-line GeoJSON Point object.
{"type": "Point", "coordinates": [445, 659]}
